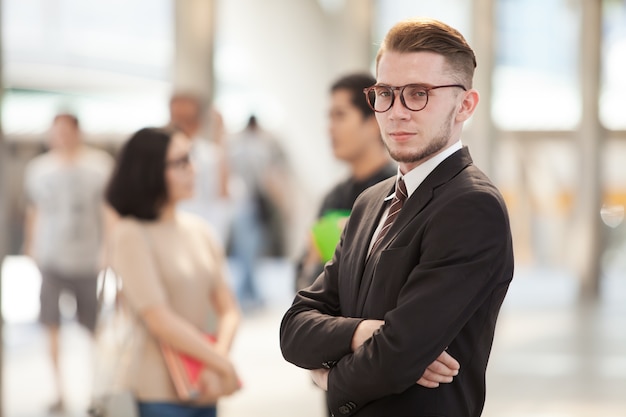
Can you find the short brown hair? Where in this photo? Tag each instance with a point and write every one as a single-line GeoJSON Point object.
{"type": "Point", "coordinates": [414, 35]}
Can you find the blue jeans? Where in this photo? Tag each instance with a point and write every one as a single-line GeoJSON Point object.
{"type": "Point", "coordinates": [247, 242]}
{"type": "Point", "coordinates": [151, 409]}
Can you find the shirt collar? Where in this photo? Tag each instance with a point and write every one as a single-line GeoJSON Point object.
{"type": "Point", "coordinates": [417, 175]}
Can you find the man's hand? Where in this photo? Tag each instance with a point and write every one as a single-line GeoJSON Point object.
{"type": "Point", "coordinates": [364, 331]}
{"type": "Point", "coordinates": [320, 377]}
{"type": "Point", "coordinates": [441, 371]}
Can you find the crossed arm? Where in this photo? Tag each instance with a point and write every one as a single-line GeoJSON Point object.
{"type": "Point", "coordinates": [441, 371]}
{"type": "Point", "coordinates": [460, 268]}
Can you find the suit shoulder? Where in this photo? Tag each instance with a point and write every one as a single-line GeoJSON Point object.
{"type": "Point", "coordinates": [472, 180]}
{"type": "Point", "coordinates": [473, 197]}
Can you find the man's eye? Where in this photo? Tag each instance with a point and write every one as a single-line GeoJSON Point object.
{"type": "Point", "coordinates": [417, 93]}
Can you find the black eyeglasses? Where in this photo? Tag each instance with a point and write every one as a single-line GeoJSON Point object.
{"type": "Point", "coordinates": [414, 97]}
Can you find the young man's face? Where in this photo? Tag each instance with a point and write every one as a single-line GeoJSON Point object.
{"type": "Point", "coordinates": [350, 132]}
{"type": "Point", "coordinates": [413, 137]}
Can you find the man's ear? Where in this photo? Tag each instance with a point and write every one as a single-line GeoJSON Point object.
{"type": "Point", "coordinates": [468, 105]}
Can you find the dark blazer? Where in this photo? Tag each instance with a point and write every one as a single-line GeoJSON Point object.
{"type": "Point", "coordinates": [437, 280]}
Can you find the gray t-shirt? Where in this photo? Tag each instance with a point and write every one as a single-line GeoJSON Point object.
{"type": "Point", "coordinates": [68, 198]}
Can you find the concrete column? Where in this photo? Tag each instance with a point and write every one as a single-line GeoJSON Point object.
{"type": "Point", "coordinates": [591, 242]}
{"type": "Point", "coordinates": [350, 36]}
{"type": "Point", "coordinates": [4, 197]}
{"type": "Point", "coordinates": [481, 136]}
{"type": "Point", "coordinates": [194, 45]}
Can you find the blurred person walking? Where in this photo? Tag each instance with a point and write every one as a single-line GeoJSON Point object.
{"type": "Point", "coordinates": [260, 167]}
{"type": "Point", "coordinates": [356, 140]}
{"type": "Point", "coordinates": [173, 275]}
{"type": "Point", "coordinates": [65, 228]}
{"type": "Point", "coordinates": [402, 319]}
{"type": "Point", "coordinates": [205, 128]}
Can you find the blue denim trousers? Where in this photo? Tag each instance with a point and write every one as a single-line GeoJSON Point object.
{"type": "Point", "coordinates": [151, 409]}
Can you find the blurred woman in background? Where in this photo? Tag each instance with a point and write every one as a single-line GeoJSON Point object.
{"type": "Point", "coordinates": [173, 275]}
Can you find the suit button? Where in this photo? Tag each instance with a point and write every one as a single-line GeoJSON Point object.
{"type": "Point", "coordinates": [344, 409]}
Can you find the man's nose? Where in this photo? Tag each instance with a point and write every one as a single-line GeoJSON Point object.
{"type": "Point", "coordinates": [398, 110]}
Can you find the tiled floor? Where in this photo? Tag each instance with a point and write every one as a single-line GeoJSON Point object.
{"type": "Point", "coordinates": [552, 357]}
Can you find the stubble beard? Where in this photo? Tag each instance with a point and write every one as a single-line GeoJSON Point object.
{"type": "Point", "coordinates": [435, 145]}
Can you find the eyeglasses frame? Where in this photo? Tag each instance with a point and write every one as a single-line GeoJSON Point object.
{"type": "Point", "coordinates": [426, 88]}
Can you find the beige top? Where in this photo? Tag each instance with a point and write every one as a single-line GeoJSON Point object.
{"type": "Point", "coordinates": [165, 262]}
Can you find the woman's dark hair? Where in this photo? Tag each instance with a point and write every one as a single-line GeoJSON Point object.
{"type": "Point", "coordinates": [355, 84]}
{"type": "Point", "coordinates": [137, 187]}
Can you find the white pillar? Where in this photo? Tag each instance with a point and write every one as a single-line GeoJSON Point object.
{"type": "Point", "coordinates": [194, 41]}
{"type": "Point", "coordinates": [590, 245]}
{"type": "Point", "coordinates": [482, 131]}
{"type": "Point", "coordinates": [4, 200]}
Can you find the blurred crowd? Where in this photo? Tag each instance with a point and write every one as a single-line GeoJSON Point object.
{"type": "Point", "coordinates": [83, 205]}
{"type": "Point", "coordinates": [181, 215]}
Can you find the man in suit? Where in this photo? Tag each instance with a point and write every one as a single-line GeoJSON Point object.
{"type": "Point", "coordinates": [426, 258]}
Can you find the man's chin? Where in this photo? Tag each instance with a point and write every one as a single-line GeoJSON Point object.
{"type": "Point", "coordinates": [405, 157]}
{"type": "Point", "coordinates": [415, 155]}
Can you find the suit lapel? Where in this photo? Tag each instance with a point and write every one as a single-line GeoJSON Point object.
{"type": "Point", "coordinates": [442, 174]}
{"type": "Point", "coordinates": [420, 198]}
{"type": "Point", "coordinates": [366, 227]}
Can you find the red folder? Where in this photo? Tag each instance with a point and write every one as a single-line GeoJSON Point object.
{"type": "Point", "coordinates": [184, 370]}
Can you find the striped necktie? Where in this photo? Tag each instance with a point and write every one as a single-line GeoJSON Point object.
{"type": "Point", "coordinates": [396, 205]}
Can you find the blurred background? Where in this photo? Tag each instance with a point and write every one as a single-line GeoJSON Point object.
{"type": "Point", "coordinates": [550, 131]}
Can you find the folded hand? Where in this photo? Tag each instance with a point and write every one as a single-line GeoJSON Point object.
{"type": "Point", "coordinates": [441, 371]}
{"type": "Point", "coordinates": [214, 385]}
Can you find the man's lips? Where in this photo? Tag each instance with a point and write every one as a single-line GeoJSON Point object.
{"type": "Point", "coordinates": [401, 136]}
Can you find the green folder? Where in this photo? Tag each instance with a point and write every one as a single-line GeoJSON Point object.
{"type": "Point", "coordinates": [327, 232]}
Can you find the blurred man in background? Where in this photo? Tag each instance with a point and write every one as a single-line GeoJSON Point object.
{"type": "Point", "coordinates": [64, 230]}
{"type": "Point", "coordinates": [356, 140]}
{"type": "Point", "coordinates": [188, 112]}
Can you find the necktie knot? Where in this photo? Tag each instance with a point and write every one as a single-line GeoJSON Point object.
{"type": "Point", "coordinates": [401, 192]}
